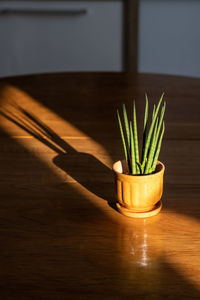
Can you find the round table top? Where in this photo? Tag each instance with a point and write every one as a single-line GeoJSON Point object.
{"type": "Point", "coordinates": [60, 236]}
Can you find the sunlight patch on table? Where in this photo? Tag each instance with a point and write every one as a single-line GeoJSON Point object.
{"type": "Point", "coordinates": [18, 100]}
{"type": "Point", "coordinates": [25, 119]}
{"type": "Point", "coordinates": [180, 252]}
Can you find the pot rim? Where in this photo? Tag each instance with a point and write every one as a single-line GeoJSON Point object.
{"type": "Point", "coordinates": [140, 176]}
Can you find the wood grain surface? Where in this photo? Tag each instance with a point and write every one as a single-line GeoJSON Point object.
{"type": "Point", "coordinates": [60, 236]}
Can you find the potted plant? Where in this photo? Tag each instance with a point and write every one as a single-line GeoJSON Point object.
{"type": "Point", "coordinates": [139, 181]}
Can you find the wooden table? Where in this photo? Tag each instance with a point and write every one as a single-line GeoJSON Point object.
{"type": "Point", "coordinates": [60, 239]}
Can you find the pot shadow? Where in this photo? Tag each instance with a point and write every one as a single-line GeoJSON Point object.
{"type": "Point", "coordinates": [71, 161]}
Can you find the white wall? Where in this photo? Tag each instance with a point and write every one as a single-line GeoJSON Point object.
{"type": "Point", "coordinates": [169, 37]}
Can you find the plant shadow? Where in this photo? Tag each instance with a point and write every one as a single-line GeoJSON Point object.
{"type": "Point", "coordinates": [68, 159]}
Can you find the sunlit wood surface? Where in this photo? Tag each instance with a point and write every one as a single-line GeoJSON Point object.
{"type": "Point", "coordinates": [59, 237]}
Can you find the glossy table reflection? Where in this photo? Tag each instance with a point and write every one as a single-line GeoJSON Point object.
{"type": "Point", "coordinates": [60, 236]}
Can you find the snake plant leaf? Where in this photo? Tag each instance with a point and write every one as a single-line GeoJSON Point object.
{"type": "Point", "coordinates": [154, 108]}
{"type": "Point", "coordinates": [126, 124]}
{"type": "Point", "coordinates": [135, 136]}
{"type": "Point", "coordinates": [155, 138]}
{"type": "Point", "coordinates": [158, 128]}
{"type": "Point", "coordinates": [152, 149]}
{"type": "Point", "coordinates": [140, 167]}
{"type": "Point", "coordinates": [122, 136]}
{"type": "Point", "coordinates": [150, 171]}
{"type": "Point", "coordinates": [161, 119]}
{"type": "Point", "coordinates": [160, 122]}
{"type": "Point", "coordinates": [145, 125]}
{"type": "Point", "coordinates": [133, 161]}
{"type": "Point", "coordinates": [147, 145]}
{"type": "Point", "coordinates": [146, 113]}
{"type": "Point", "coordinates": [158, 148]}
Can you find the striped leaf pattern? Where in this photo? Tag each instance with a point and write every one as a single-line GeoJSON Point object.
{"type": "Point", "coordinates": [152, 138]}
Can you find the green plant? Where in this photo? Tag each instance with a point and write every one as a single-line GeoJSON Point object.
{"type": "Point", "coordinates": [152, 138]}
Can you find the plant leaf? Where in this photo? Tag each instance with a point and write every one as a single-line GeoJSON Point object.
{"type": "Point", "coordinates": [122, 136]}
{"type": "Point", "coordinates": [147, 145]}
{"type": "Point", "coordinates": [126, 124]}
{"type": "Point", "coordinates": [158, 148]}
{"type": "Point", "coordinates": [161, 119]}
{"type": "Point", "coordinates": [154, 108]}
{"type": "Point", "coordinates": [145, 125]}
{"type": "Point", "coordinates": [135, 136]}
{"type": "Point", "coordinates": [132, 151]}
{"type": "Point", "coordinates": [152, 149]}
{"type": "Point", "coordinates": [140, 167]}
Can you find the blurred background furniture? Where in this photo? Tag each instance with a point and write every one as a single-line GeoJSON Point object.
{"type": "Point", "coordinates": [49, 36]}
{"type": "Point", "coordinates": [98, 35]}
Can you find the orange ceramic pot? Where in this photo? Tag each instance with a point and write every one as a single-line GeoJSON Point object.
{"type": "Point", "coordinates": [138, 196]}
